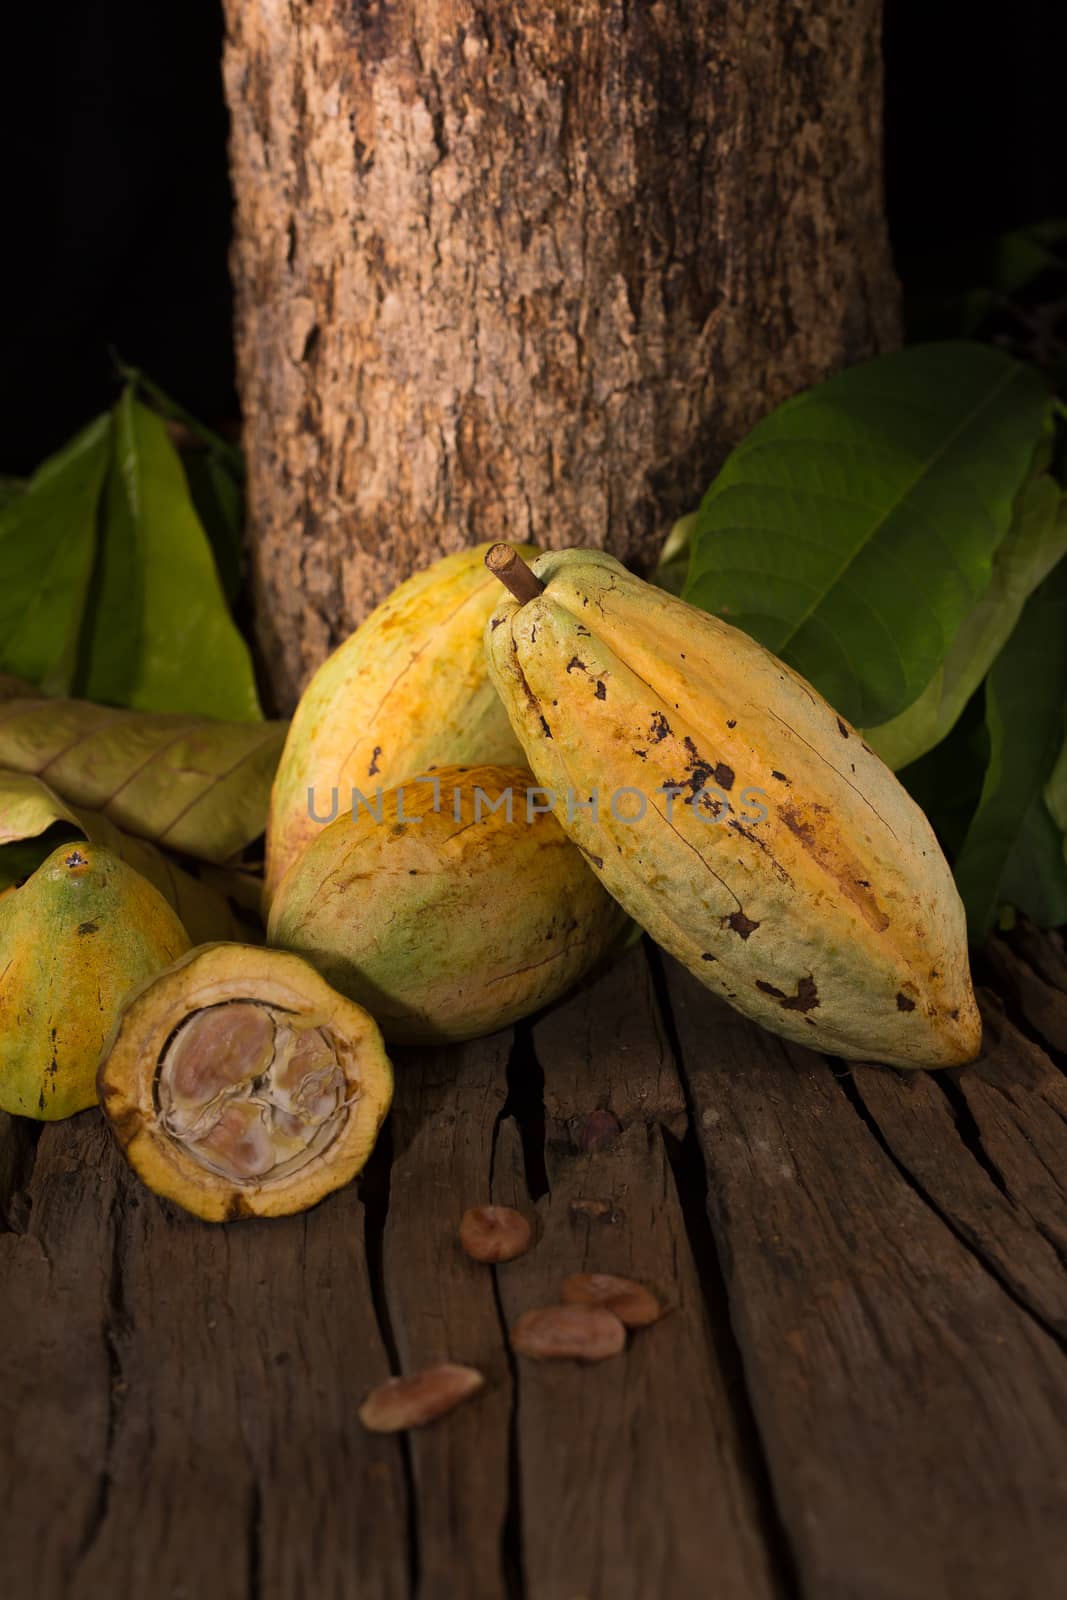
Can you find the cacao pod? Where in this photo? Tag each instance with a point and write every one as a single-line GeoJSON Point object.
{"type": "Point", "coordinates": [239, 1084]}
{"type": "Point", "coordinates": [760, 840]}
{"type": "Point", "coordinates": [406, 690]}
{"type": "Point", "coordinates": [446, 918]}
{"type": "Point", "coordinates": [77, 936]}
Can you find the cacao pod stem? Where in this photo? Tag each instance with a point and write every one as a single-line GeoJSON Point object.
{"type": "Point", "coordinates": [505, 563]}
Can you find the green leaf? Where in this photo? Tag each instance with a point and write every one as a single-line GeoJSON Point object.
{"type": "Point", "coordinates": [219, 503]}
{"type": "Point", "coordinates": [854, 529]}
{"type": "Point", "coordinates": [197, 786]}
{"type": "Point", "coordinates": [229, 455]}
{"type": "Point", "coordinates": [1025, 696]}
{"type": "Point", "coordinates": [673, 568]}
{"type": "Point", "coordinates": [1056, 793]}
{"type": "Point", "coordinates": [947, 780]}
{"type": "Point", "coordinates": [1036, 540]}
{"type": "Point", "coordinates": [1035, 875]}
{"type": "Point", "coordinates": [47, 535]}
{"type": "Point", "coordinates": [159, 634]}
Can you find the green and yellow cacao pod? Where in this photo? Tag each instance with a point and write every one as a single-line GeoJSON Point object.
{"type": "Point", "coordinates": [239, 1084]}
{"type": "Point", "coordinates": [407, 690]}
{"type": "Point", "coordinates": [448, 913]}
{"type": "Point", "coordinates": [77, 936]}
{"type": "Point", "coordinates": [743, 823]}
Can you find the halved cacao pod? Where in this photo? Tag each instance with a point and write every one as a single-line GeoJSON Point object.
{"type": "Point", "coordinates": [408, 689]}
{"type": "Point", "coordinates": [75, 938]}
{"type": "Point", "coordinates": [448, 915]}
{"type": "Point", "coordinates": [240, 1085]}
{"type": "Point", "coordinates": [738, 818]}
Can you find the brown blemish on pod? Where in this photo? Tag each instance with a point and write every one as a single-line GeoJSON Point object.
{"type": "Point", "coordinates": [805, 999]}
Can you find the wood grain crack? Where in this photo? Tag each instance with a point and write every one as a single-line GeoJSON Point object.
{"type": "Point", "coordinates": [374, 1187]}
{"type": "Point", "coordinates": [966, 1236]}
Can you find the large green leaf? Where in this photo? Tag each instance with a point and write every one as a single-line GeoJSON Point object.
{"type": "Point", "coordinates": [47, 537]}
{"type": "Point", "coordinates": [226, 454]}
{"type": "Point", "coordinates": [197, 786]}
{"type": "Point", "coordinates": [159, 633]}
{"type": "Point", "coordinates": [1035, 542]}
{"type": "Point", "coordinates": [34, 820]}
{"type": "Point", "coordinates": [1056, 793]}
{"type": "Point", "coordinates": [219, 503]}
{"type": "Point", "coordinates": [1035, 874]}
{"type": "Point", "coordinates": [854, 529]}
{"type": "Point", "coordinates": [947, 780]}
{"type": "Point", "coordinates": [1012, 833]}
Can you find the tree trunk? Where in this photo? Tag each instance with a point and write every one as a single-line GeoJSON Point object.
{"type": "Point", "coordinates": [529, 271]}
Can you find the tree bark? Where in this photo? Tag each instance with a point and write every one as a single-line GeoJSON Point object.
{"type": "Point", "coordinates": [529, 271]}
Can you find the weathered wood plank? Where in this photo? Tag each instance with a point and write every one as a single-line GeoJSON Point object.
{"type": "Point", "coordinates": [442, 1306]}
{"type": "Point", "coordinates": [607, 1050]}
{"type": "Point", "coordinates": [1002, 1199]}
{"type": "Point", "coordinates": [1044, 949]}
{"type": "Point", "coordinates": [635, 1480]}
{"type": "Point", "coordinates": [55, 1369]}
{"type": "Point", "coordinates": [912, 1413]}
{"type": "Point", "coordinates": [235, 1463]}
{"type": "Point", "coordinates": [1029, 989]}
{"type": "Point", "coordinates": [1018, 1100]}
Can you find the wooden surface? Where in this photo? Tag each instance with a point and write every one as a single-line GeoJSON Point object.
{"type": "Point", "coordinates": [860, 1392]}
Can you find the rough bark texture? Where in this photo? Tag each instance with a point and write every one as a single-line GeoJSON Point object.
{"type": "Point", "coordinates": [529, 271]}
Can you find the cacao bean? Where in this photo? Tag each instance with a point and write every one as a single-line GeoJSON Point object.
{"type": "Point", "coordinates": [419, 1397]}
{"type": "Point", "coordinates": [494, 1233]}
{"type": "Point", "coordinates": [633, 1304]}
{"type": "Point", "coordinates": [569, 1333]}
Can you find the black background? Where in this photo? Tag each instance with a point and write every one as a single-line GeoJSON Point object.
{"type": "Point", "coordinates": [117, 210]}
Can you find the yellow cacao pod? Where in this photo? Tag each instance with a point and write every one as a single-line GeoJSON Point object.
{"type": "Point", "coordinates": [407, 690]}
{"type": "Point", "coordinates": [238, 1083]}
{"type": "Point", "coordinates": [78, 935]}
{"type": "Point", "coordinates": [737, 817]}
{"type": "Point", "coordinates": [448, 912]}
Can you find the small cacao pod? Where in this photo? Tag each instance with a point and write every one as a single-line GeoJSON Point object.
{"type": "Point", "coordinates": [451, 910]}
{"type": "Point", "coordinates": [75, 938]}
{"type": "Point", "coordinates": [240, 1085]}
{"type": "Point", "coordinates": [407, 689]}
{"type": "Point", "coordinates": [737, 817]}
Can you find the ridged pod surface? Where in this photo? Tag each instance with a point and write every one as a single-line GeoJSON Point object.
{"type": "Point", "coordinates": [444, 918]}
{"type": "Point", "coordinates": [776, 856]}
{"type": "Point", "coordinates": [78, 935]}
{"type": "Point", "coordinates": [240, 1085]}
{"type": "Point", "coordinates": [407, 690]}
